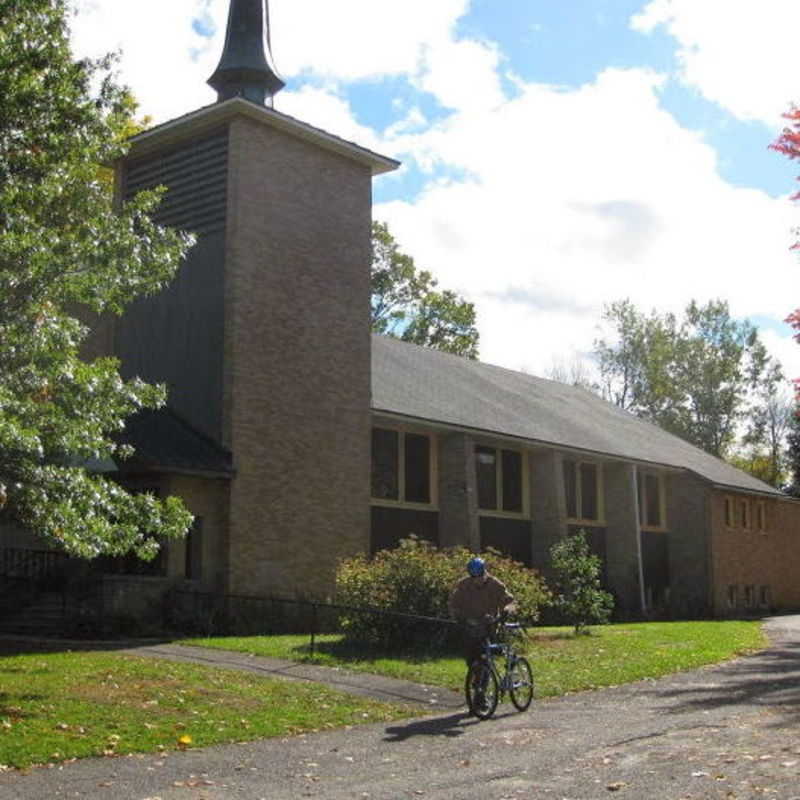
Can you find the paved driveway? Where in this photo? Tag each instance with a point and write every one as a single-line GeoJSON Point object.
{"type": "Point", "coordinates": [729, 732]}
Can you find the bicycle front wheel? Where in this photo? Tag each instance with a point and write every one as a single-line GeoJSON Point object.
{"type": "Point", "coordinates": [520, 683]}
{"type": "Point", "coordinates": [481, 689]}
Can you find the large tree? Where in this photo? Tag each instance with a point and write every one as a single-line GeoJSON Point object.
{"type": "Point", "coordinates": [693, 376]}
{"type": "Point", "coordinates": [407, 304]}
{"type": "Point", "coordinates": [793, 452]}
{"type": "Point", "coordinates": [62, 247]}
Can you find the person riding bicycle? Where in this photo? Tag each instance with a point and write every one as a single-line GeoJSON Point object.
{"type": "Point", "coordinates": [476, 601]}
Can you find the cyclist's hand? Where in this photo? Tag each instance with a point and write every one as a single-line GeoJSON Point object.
{"type": "Point", "coordinates": [488, 618]}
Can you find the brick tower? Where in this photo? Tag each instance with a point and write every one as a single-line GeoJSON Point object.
{"type": "Point", "coordinates": [263, 338]}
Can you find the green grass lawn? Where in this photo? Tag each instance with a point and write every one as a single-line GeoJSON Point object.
{"type": "Point", "coordinates": [59, 706]}
{"type": "Point", "coordinates": [562, 662]}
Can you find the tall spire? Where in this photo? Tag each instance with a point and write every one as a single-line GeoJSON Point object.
{"type": "Point", "coordinates": [246, 69]}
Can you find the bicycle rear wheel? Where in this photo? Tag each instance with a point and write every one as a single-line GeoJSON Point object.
{"type": "Point", "coordinates": [481, 690]}
{"type": "Point", "coordinates": [520, 683]}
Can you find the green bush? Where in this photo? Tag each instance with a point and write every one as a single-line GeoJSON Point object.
{"type": "Point", "coordinates": [417, 578]}
{"type": "Point", "coordinates": [579, 597]}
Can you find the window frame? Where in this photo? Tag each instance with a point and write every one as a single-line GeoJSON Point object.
{"type": "Point", "coordinates": [401, 502]}
{"type": "Point", "coordinates": [524, 478]}
{"type": "Point", "coordinates": [641, 480]}
{"type": "Point", "coordinates": [729, 512]}
{"type": "Point", "coordinates": [599, 488]}
{"type": "Point", "coordinates": [744, 516]}
{"type": "Point", "coordinates": [761, 516]}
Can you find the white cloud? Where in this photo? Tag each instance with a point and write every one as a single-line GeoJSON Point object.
{"type": "Point", "coordinates": [738, 53]}
{"type": "Point", "coordinates": [167, 61]}
{"type": "Point", "coordinates": [578, 198]}
{"type": "Point", "coordinates": [540, 208]}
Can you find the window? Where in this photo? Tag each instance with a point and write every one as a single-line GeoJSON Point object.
{"type": "Point", "coordinates": [729, 521]}
{"type": "Point", "coordinates": [401, 466]}
{"type": "Point", "coordinates": [744, 513]}
{"type": "Point", "coordinates": [582, 489]}
{"type": "Point", "coordinates": [764, 597]}
{"type": "Point", "coordinates": [733, 596]}
{"type": "Point", "coordinates": [500, 478]}
{"type": "Point", "coordinates": [652, 512]}
{"type": "Point", "coordinates": [193, 559]}
{"type": "Point", "coordinates": [749, 596]}
{"type": "Point", "coordinates": [761, 516]}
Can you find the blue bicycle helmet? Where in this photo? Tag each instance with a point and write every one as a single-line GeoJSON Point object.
{"type": "Point", "coordinates": [476, 567]}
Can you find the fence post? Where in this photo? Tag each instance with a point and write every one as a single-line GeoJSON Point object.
{"type": "Point", "coordinates": [313, 628]}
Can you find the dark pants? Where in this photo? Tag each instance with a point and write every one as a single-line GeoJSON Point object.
{"type": "Point", "coordinates": [473, 647]}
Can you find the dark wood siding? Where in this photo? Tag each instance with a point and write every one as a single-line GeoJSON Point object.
{"type": "Point", "coordinates": [196, 179]}
{"type": "Point", "coordinates": [390, 525]}
{"type": "Point", "coordinates": [511, 537]}
{"type": "Point", "coordinates": [176, 337]}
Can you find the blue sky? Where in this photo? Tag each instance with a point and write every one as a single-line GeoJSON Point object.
{"type": "Point", "coordinates": [557, 154]}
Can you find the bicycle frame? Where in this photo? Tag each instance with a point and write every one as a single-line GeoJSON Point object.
{"type": "Point", "coordinates": [493, 649]}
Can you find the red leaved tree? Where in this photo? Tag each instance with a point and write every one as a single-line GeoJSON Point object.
{"type": "Point", "coordinates": [788, 143]}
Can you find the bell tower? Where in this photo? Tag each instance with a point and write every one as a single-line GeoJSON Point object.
{"type": "Point", "coordinates": [263, 339]}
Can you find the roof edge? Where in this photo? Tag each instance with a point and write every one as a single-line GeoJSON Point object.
{"type": "Point", "coordinates": [214, 115]}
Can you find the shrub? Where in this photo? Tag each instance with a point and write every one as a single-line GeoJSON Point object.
{"type": "Point", "coordinates": [417, 578]}
{"type": "Point", "coordinates": [579, 597]}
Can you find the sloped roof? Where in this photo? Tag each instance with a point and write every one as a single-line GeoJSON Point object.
{"type": "Point", "coordinates": [164, 441]}
{"type": "Point", "coordinates": [425, 384]}
{"type": "Point", "coordinates": [216, 114]}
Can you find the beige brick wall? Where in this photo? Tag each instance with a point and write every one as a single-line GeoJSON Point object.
{"type": "Point", "coordinates": [208, 499]}
{"type": "Point", "coordinates": [297, 374]}
{"type": "Point", "coordinates": [750, 558]}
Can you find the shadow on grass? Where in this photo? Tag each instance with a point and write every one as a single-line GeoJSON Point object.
{"type": "Point", "coordinates": [10, 646]}
{"type": "Point", "coordinates": [345, 651]}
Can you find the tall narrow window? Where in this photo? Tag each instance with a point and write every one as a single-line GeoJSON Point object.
{"type": "Point", "coordinates": [651, 500]}
{"type": "Point", "coordinates": [729, 518]}
{"type": "Point", "coordinates": [417, 472]}
{"type": "Point", "coordinates": [401, 466]}
{"type": "Point", "coordinates": [589, 504]}
{"type": "Point", "coordinates": [486, 473]}
{"type": "Point", "coordinates": [512, 481]}
{"type": "Point", "coordinates": [571, 488]}
{"type": "Point", "coordinates": [761, 516]}
{"type": "Point", "coordinates": [193, 565]}
{"type": "Point", "coordinates": [582, 490]}
{"type": "Point", "coordinates": [385, 459]}
{"type": "Point", "coordinates": [744, 513]}
{"type": "Point", "coordinates": [499, 475]}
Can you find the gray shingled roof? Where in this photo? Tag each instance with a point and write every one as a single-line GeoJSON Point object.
{"type": "Point", "coordinates": [424, 384]}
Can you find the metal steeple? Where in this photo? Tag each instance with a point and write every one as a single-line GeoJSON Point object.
{"type": "Point", "coordinates": [246, 69]}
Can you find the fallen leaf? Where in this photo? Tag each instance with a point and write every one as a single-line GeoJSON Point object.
{"type": "Point", "coordinates": [616, 786]}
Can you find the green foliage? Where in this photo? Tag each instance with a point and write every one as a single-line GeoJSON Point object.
{"type": "Point", "coordinates": [407, 304]}
{"type": "Point", "coordinates": [579, 597]}
{"type": "Point", "coordinates": [793, 451]}
{"type": "Point", "coordinates": [63, 247]}
{"type": "Point", "coordinates": [417, 578]}
{"type": "Point", "coordinates": [561, 662]}
{"type": "Point", "coordinates": [698, 377]}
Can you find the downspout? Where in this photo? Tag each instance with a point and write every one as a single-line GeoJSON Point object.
{"type": "Point", "coordinates": [639, 564]}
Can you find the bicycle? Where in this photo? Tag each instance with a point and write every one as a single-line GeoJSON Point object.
{"type": "Point", "coordinates": [485, 685]}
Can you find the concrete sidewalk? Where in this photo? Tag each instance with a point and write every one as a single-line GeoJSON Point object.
{"type": "Point", "coordinates": [389, 690]}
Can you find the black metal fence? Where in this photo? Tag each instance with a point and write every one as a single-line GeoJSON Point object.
{"type": "Point", "coordinates": [208, 614]}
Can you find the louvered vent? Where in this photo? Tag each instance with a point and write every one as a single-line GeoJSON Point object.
{"type": "Point", "coordinates": [196, 180]}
